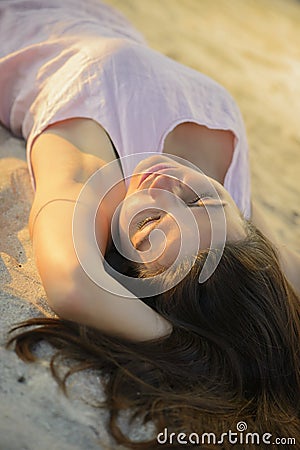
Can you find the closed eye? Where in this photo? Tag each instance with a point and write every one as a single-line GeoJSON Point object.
{"type": "Point", "coordinates": [198, 201]}
{"type": "Point", "coordinates": [146, 221]}
{"type": "Point", "coordinates": [147, 225]}
{"type": "Point", "coordinates": [205, 199]}
{"type": "Point", "coordinates": [195, 198]}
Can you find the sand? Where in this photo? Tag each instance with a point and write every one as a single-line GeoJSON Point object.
{"type": "Point", "coordinates": [252, 48]}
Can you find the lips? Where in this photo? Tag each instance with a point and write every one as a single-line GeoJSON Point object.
{"type": "Point", "coordinates": [152, 170]}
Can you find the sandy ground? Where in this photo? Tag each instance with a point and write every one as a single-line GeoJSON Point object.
{"type": "Point", "coordinates": [252, 48]}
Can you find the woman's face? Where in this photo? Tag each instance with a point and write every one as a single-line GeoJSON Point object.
{"type": "Point", "coordinates": [182, 203]}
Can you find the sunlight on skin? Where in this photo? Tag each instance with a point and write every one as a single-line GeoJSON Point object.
{"type": "Point", "coordinates": [147, 208]}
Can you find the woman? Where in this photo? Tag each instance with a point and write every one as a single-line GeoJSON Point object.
{"type": "Point", "coordinates": [189, 353]}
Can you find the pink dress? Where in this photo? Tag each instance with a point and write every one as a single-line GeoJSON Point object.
{"type": "Point", "coordinates": [73, 58]}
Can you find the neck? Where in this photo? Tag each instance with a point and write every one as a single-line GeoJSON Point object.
{"type": "Point", "coordinates": [210, 150]}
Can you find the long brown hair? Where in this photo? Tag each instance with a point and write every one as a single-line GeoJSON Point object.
{"type": "Point", "coordinates": [233, 354]}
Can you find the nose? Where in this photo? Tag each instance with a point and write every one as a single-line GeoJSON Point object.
{"type": "Point", "coordinates": [165, 183]}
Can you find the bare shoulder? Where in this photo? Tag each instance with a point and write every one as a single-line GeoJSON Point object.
{"type": "Point", "coordinates": [68, 151]}
{"type": "Point", "coordinates": [86, 135]}
{"type": "Point", "coordinates": [65, 156]}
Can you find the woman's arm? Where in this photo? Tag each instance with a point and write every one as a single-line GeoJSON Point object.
{"type": "Point", "coordinates": [61, 170]}
{"type": "Point", "coordinates": [289, 259]}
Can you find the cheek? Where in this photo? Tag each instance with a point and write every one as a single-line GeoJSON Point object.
{"type": "Point", "coordinates": [123, 243]}
{"type": "Point", "coordinates": [133, 184]}
{"type": "Point", "coordinates": [129, 208]}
